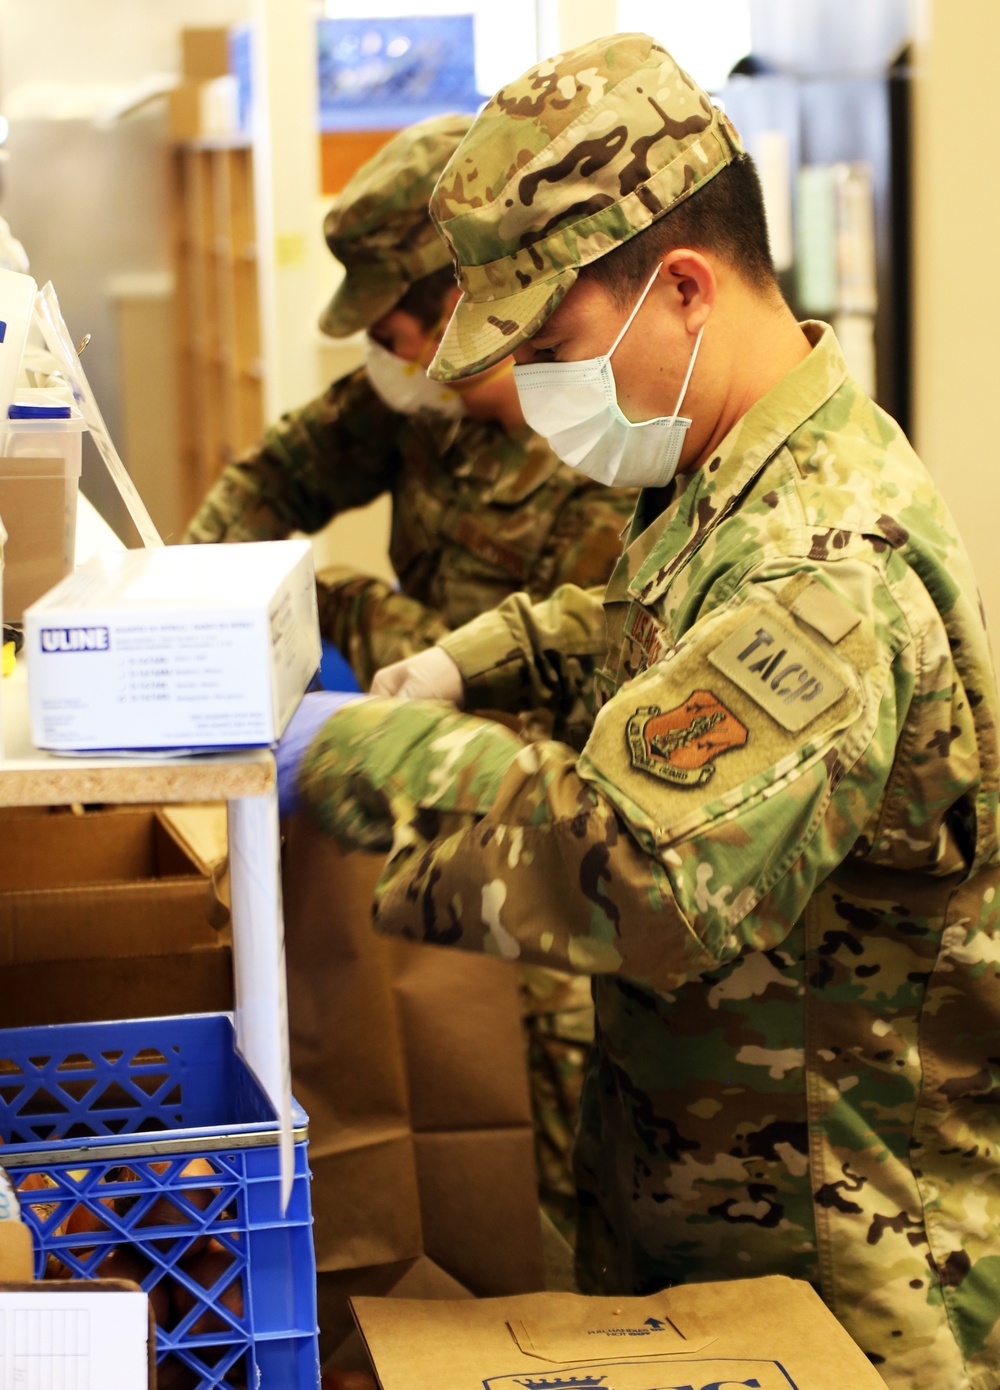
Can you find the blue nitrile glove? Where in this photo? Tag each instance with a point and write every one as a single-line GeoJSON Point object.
{"type": "Point", "coordinates": [315, 709]}
{"type": "Point", "coordinates": [334, 670]}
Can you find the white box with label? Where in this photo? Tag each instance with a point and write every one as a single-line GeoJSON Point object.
{"type": "Point", "coordinates": [187, 647]}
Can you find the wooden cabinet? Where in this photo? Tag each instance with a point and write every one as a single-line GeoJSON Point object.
{"type": "Point", "coordinates": [220, 372]}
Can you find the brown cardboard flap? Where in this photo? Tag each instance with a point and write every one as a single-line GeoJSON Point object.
{"type": "Point", "coordinates": [104, 915]}
{"type": "Point", "coordinates": [201, 830]}
{"type": "Point", "coordinates": [771, 1333]}
{"type": "Point", "coordinates": [609, 1328]}
{"type": "Point", "coordinates": [88, 991]}
{"type": "Point", "coordinates": [91, 923]}
{"type": "Point", "coordinates": [63, 850]}
{"type": "Point", "coordinates": [17, 1253]}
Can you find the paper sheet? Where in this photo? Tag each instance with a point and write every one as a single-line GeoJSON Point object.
{"type": "Point", "coordinates": [259, 959]}
{"type": "Point", "coordinates": [74, 1341]}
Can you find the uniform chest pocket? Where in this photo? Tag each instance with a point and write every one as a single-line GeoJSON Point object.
{"type": "Point", "coordinates": [418, 537]}
{"type": "Point", "coordinates": [502, 538]}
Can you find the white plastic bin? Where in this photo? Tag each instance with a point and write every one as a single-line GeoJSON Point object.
{"type": "Point", "coordinates": [41, 447]}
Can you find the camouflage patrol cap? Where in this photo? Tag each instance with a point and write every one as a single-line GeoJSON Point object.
{"type": "Point", "coordinates": [560, 167]}
{"type": "Point", "coordinates": [380, 228]}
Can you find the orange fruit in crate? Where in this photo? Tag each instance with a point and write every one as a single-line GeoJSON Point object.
{"type": "Point", "coordinates": [172, 1374]}
{"type": "Point", "coordinates": [124, 1262]}
{"type": "Point", "coordinates": [206, 1269]}
{"type": "Point", "coordinates": [165, 1212]}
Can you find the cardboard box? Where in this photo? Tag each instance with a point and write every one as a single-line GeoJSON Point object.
{"type": "Point", "coordinates": [410, 1062]}
{"type": "Point", "coordinates": [205, 53]}
{"type": "Point", "coordinates": [773, 1333]}
{"type": "Point", "coordinates": [184, 111]}
{"type": "Point", "coordinates": [185, 647]}
{"type": "Point", "coordinates": [104, 916]}
{"type": "Point", "coordinates": [40, 461]}
{"type": "Point", "coordinates": [32, 493]}
{"type": "Point", "coordinates": [200, 110]}
{"type": "Point", "coordinates": [17, 1254]}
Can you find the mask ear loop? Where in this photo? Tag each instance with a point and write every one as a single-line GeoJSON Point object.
{"type": "Point", "coordinates": [638, 305]}
{"type": "Point", "coordinates": [694, 357]}
{"type": "Point", "coordinates": [694, 353]}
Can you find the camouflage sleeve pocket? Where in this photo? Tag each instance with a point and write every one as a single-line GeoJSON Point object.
{"type": "Point", "coordinates": [735, 713]}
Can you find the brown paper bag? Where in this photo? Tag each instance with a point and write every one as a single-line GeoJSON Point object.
{"type": "Point", "coordinates": [410, 1063]}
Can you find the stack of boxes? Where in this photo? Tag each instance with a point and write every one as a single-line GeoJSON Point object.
{"type": "Point", "coordinates": [142, 1155]}
{"type": "Point", "coordinates": [212, 100]}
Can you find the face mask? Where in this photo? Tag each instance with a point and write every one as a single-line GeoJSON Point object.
{"type": "Point", "coordinates": [405, 386]}
{"type": "Point", "coordinates": [574, 405]}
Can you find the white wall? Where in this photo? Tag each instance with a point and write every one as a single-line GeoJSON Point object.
{"type": "Point", "coordinates": [85, 42]}
{"type": "Point", "coordinates": [90, 204]}
{"type": "Point", "coordinates": [957, 273]}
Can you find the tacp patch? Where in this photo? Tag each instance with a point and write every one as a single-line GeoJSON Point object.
{"type": "Point", "coordinates": [781, 670]}
{"type": "Point", "coordinates": [680, 745]}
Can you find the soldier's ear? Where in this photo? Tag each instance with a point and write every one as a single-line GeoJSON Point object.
{"type": "Point", "coordinates": [690, 280]}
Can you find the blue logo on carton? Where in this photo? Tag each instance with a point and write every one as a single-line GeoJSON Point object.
{"type": "Point", "coordinates": [75, 639]}
{"type": "Point", "coordinates": [565, 1383]}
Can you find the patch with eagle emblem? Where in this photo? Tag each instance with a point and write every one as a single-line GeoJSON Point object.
{"type": "Point", "coordinates": [680, 745]}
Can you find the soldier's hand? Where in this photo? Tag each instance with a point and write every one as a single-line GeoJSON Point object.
{"type": "Point", "coordinates": [430, 675]}
{"type": "Point", "coordinates": [313, 712]}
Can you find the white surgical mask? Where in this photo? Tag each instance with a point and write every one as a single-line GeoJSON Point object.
{"type": "Point", "coordinates": [574, 405]}
{"type": "Point", "coordinates": [405, 386]}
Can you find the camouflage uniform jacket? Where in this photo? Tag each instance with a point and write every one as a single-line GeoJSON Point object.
{"type": "Point", "coordinates": [777, 854]}
{"type": "Point", "coordinates": [477, 514]}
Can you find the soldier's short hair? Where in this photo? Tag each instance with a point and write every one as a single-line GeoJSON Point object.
{"type": "Point", "coordinates": [726, 217]}
{"type": "Point", "coordinates": [424, 300]}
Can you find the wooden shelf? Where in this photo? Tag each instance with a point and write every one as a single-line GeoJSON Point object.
{"type": "Point", "coordinates": [218, 313]}
{"type": "Point", "coordinates": [30, 777]}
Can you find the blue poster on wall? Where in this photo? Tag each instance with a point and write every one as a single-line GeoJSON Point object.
{"type": "Point", "coordinates": [382, 74]}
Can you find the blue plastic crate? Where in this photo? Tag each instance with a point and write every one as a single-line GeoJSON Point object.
{"type": "Point", "coordinates": [146, 1149]}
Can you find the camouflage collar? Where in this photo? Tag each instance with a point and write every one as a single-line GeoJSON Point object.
{"type": "Point", "coordinates": [707, 495]}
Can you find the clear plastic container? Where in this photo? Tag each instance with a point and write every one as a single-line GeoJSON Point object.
{"type": "Point", "coordinates": [41, 446]}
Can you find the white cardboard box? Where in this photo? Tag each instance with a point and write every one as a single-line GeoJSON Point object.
{"type": "Point", "coordinates": [73, 1338]}
{"type": "Point", "coordinates": [187, 647]}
